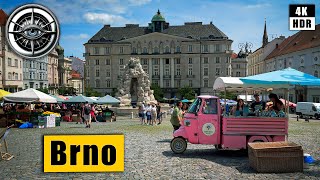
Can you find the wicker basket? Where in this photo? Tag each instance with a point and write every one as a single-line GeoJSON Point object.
{"type": "Point", "coordinates": [276, 157]}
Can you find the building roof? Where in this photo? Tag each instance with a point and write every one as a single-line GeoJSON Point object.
{"type": "Point", "coordinates": [75, 74]}
{"type": "Point", "coordinates": [77, 59]}
{"type": "Point", "coordinates": [297, 42]}
{"type": "Point", "coordinates": [195, 30]}
{"type": "Point", "coordinates": [234, 56]}
{"type": "Point", "coordinates": [3, 18]}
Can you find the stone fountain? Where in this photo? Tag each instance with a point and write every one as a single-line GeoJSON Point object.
{"type": "Point", "coordinates": [134, 85]}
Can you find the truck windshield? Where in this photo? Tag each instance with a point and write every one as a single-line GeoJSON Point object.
{"type": "Point", "coordinates": [195, 106]}
{"type": "Point", "coordinates": [210, 106]}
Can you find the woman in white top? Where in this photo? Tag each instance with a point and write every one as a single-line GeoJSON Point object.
{"type": "Point", "coordinates": [154, 115]}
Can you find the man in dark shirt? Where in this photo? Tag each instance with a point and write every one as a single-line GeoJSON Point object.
{"type": "Point", "coordinates": [258, 104]}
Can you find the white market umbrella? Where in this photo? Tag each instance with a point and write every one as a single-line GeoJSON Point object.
{"type": "Point", "coordinates": [30, 95]}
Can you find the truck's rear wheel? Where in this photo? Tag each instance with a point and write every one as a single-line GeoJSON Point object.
{"type": "Point", "coordinates": [178, 145]}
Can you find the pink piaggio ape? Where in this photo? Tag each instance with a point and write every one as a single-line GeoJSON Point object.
{"type": "Point", "coordinates": [205, 124]}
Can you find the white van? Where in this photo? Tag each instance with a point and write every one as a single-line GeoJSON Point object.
{"type": "Point", "coordinates": [308, 109]}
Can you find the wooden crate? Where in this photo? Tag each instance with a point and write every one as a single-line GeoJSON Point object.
{"type": "Point", "coordinates": [275, 157]}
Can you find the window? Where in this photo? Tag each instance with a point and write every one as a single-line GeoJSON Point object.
{"type": "Point", "coordinates": [145, 50]}
{"type": "Point", "coordinates": [218, 71]}
{"type": "Point", "coordinates": [178, 49]}
{"type": "Point", "coordinates": [206, 83]}
{"type": "Point", "coordinates": [108, 83]}
{"type": "Point", "coordinates": [88, 62]}
{"type": "Point", "coordinates": [145, 68]}
{"type": "Point", "coordinates": [167, 61]}
{"type": "Point", "coordinates": [205, 48]}
{"type": "Point", "coordinates": [190, 48]}
{"type": "Point", "coordinates": [167, 83]}
{"type": "Point", "coordinates": [97, 61]}
{"type": "Point", "coordinates": [238, 74]}
{"type": "Point", "coordinates": [217, 59]}
{"type": "Point", "coordinates": [210, 106]}
{"type": "Point", "coordinates": [316, 99]}
{"type": "Point", "coordinates": [156, 82]}
{"type": "Point", "coordinates": [108, 50]}
{"type": "Point", "coordinates": [238, 66]}
{"type": "Point", "coordinates": [205, 60]}
{"type": "Point", "coordinates": [134, 50]}
{"type": "Point", "coordinates": [178, 83]}
{"type": "Point", "coordinates": [195, 106]}
{"type": "Point", "coordinates": [9, 62]}
{"type": "Point", "coordinates": [156, 71]}
{"type": "Point", "coordinates": [190, 60]}
{"type": "Point", "coordinates": [9, 76]}
{"type": "Point", "coordinates": [121, 49]}
{"type": "Point", "coordinates": [218, 47]}
{"type": "Point", "coordinates": [96, 50]}
{"type": "Point", "coordinates": [107, 61]}
{"type": "Point", "coordinates": [108, 73]}
{"type": "Point", "coordinates": [16, 62]}
{"type": "Point", "coordinates": [190, 70]}
{"type": "Point", "coordinates": [88, 72]}
{"type": "Point", "coordinates": [20, 76]}
{"type": "Point", "coordinates": [97, 83]}
{"type": "Point", "coordinates": [178, 73]}
{"type": "Point", "coordinates": [156, 50]}
{"type": "Point", "coordinates": [205, 71]}
{"type": "Point", "coordinates": [144, 61]}
{"type": "Point", "coordinates": [156, 61]}
{"type": "Point", "coordinates": [177, 60]}
{"type": "Point", "coordinates": [190, 83]}
{"type": "Point", "coordinates": [316, 74]}
{"type": "Point", "coordinates": [227, 71]}
{"type": "Point", "coordinates": [97, 72]}
{"type": "Point", "coordinates": [167, 71]}
{"type": "Point", "coordinates": [167, 49]}
{"type": "Point", "coordinates": [121, 61]}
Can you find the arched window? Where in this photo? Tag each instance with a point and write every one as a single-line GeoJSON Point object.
{"type": "Point", "coordinates": [156, 50]}
{"type": "Point", "coordinates": [167, 49]}
{"type": "Point", "coordinates": [316, 74]}
{"type": "Point", "coordinates": [9, 76]}
{"type": "Point", "coordinates": [97, 83]}
{"type": "Point", "coordinates": [145, 50]}
{"type": "Point", "coordinates": [178, 49]}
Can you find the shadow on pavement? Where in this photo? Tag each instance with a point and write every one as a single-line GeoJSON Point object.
{"type": "Point", "coordinates": [164, 141]}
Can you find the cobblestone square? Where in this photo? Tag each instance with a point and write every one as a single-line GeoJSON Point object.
{"type": "Point", "coordinates": [148, 154]}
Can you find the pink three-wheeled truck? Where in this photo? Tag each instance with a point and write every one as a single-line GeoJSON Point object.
{"type": "Point", "coordinates": [205, 124]}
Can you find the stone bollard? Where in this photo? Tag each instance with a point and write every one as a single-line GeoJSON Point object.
{"type": "Point", "coordinates": [164, 115]}
{"type": "Point", "coordinates": [307, 119]}
{"type": "Point", "coordinates": [297, 118]}
{"type": "Point", "coordinates": [131, 115]}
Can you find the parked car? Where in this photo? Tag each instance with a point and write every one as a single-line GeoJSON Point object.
{"type": "Point", "coordinates": [310, 109]}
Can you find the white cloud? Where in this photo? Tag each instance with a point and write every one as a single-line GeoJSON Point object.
{"type": "Point", "coordinates": [139, 2]}
{"type": "Point", "coordinates": [104, 18]}
{"type": "Point", "coordinates": [254, 6]}
{"type": "Point", "coordinates": [76, 37]}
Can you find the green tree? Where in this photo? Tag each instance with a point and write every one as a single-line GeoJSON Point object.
{"type": "Point", "coordinates": [187, 92]}
{"type": "Point", "coordinates": [89, 92]}
{"type": "Point", "coordinates": [157, 92]}
{"type": "Point", "coordinates": [66, 90]}
{"type": "Point", "coordinates": [229, 95]}
{"type": "Point", "coordinates": [44, 90]}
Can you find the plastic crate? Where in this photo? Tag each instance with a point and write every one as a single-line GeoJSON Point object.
{"type": "Point", "coordinates": [276, 157]}
{"type": "Point", "coordinates": [58, 120]}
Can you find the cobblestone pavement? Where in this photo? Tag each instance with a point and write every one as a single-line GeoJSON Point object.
{"type": "Point", "coordinates": [148, 154]}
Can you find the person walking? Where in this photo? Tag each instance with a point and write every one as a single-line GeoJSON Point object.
{"type": "Point", "coordinates": [141, 114]}
{"type": "Point", "coordinates": [148, 113]}
{"type": "Point", "coordinates": [176, 116]}
{"type": "Point", "coordinates": [87, 115]}
{"type": "Point", "coordinates": [153, 115]}
{"type": "Point", "coordinates": [159, 118]}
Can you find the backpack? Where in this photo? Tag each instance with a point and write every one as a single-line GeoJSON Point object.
{"type": "Point", "coordinates": [86, 110]}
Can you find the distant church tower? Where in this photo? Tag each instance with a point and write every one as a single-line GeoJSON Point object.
{"type": "Point", "coordinates": [265, 35]}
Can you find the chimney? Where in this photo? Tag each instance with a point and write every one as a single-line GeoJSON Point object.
{"type": "Point", "coordinates": [277, 45]}
{"type": "Point", "coordinates": [107, 25]}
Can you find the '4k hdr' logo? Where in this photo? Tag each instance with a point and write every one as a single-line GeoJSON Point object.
{"type": "Point", "coordinates": [83, 153]}
{"type": "Point", "coordinates": [302, 17]}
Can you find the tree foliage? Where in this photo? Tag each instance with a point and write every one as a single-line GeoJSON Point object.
{"type": "Point", "coordinates": [89, 92]}
{"type": "Point", "coordinates": [44, 90]}
{"type": "Point", "coordinates": [187, 92]}
{"type": "Point", "coordinates": [66, 91]}
{"type": "Point", "coordinates": [229, 95]}
{"type": "Point", "coordinates": [157, 92]}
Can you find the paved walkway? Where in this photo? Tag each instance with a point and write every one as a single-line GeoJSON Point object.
{"type": "Point", "coordinates": [148, 154]}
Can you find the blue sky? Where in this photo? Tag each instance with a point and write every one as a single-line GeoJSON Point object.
{"type": "Point", "coordinates": [241, 20]}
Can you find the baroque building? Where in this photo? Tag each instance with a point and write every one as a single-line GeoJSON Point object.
{"type": "Point", "coordinates": [35, 73]}
{"type": "Point", "coordinates": [193, 55]}
{"type": "Point", "coordinates": [53, 72]}
{"type": "Point", "coordinates": [11, 78]}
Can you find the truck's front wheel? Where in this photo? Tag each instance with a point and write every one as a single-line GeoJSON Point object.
{"type": "Point", "coordinates": [178, 145]}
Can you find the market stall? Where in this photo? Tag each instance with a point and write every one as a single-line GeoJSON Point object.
{"type": "Point", "coordinates": [106, 114]}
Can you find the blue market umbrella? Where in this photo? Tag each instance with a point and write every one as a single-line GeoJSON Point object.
{"type": "Point", "coordinates": [185, 101]}
{"type": "Point", "coordinates": [80, 99]}
{"type": "Point", "coordinates": [59, 100]}
{"type": "Point", "coordinates": [107, 100]}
